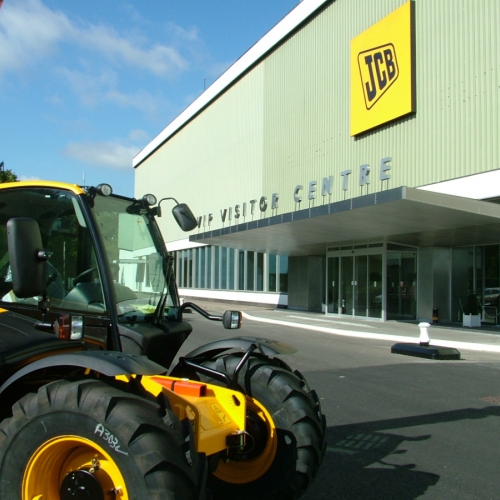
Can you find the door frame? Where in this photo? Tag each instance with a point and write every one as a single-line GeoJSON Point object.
{"type": "Point", "coordinates": [381, 248]}
{"type": "Point", "coordinates": [359, 251]}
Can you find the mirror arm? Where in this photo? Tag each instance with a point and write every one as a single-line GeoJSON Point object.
{"type": "Point", "coordinates": [157, 210]}
{"type": "Point", "coordinates": [204, 313]}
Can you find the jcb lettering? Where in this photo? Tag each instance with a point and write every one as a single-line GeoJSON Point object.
{"type": "Point", "coordinates": [378, 70]}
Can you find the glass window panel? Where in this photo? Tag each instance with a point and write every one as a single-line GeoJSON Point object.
{"type": "Point", "coordinates": [361, 285]}
{"type": "Point", "coordinates": [65, 235]}
{"type": "Point", "coordinates": [375, 286]}
{"type": "Point", "coordinates": [230, 284]}
{"type": "Point", "coordinates": [202, 267]}
{"type": "Point", "coordinates": [191, 268]}
{"type": "Point", "coordinates": [478, 283]}
{"type": "Point", "coordinates": [401, 285]}
{"type": "Point", "coordinates": [185, 262]}
{"type": "Point", "coordinates": [491, 266]}
{"type": "Point", "coordinates": [223, 264]}
{"type": "Point", "coordinates": [333, 285]}
{"type": "Point", "coordinates": [272, 273]}
{"type": "Point", "coordinates": [216, 267]}
{"type": "Point", "coordinates": [250, 270]}
{"type": "Point", "coordinates": [462, 265]}
{"type": "Point", "coordinates": [208, 264]}
{"type": "Point", "coordinates": [260, 272]}
{"type": "Point", "coordinates": [283, 273]}
{"type": "Point", "coordinates": [346, 285]}
{"type": "Point", "coordinates": [196, 266]}
{"type": "Point", "coordinates": [241, 269]}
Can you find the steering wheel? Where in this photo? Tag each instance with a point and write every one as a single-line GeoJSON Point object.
{"type": "Point", "coordinates": [78, 278]}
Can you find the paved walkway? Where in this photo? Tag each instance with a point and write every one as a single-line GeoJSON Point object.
{"type": "Point", "coordinates": [486, 338]}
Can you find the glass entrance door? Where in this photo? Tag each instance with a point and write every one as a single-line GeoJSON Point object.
{"type": "Point", "coordinates": [347, 285]}
{"type": "Point", "coordinates": [355, 285]}
{"type": "Point", "coordinates": [333, 296]}
{"type": "Point", "coordinates": [401, 285]}
{"type": "Point", "coordinates": [374, 285]}
{"type": "Point", "coordinates": [360, 285]}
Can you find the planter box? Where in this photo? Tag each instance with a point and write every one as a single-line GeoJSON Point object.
{"type": "Point", "coordinates": [472, 320]}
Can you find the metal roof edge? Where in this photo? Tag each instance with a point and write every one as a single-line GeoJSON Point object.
{"type": "Point", "coordinates": [456, 202]}
{"type": "Point", "coordinates": [290, 22]}
{"type": "Point", "coordinates": [380, 197]}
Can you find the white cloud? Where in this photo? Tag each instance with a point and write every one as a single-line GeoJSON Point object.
{"type": "Point", "coordinates": [30, 31]}
{"type": "Point", "coordinates": [138, 135]}
{"type": "Point", "coordinates": [158, 59]}
{"type": "Point", "coordinates": [179, 33]}
{"type": "Point", "coordinates": [109, 154]}
{"type": "Point", "coordinates": [89, 85]}
{"type": "Point", "coordinates": [94, 88]}
{"type": "Point", "coordinates": [28, 178]}
{"type": "Point", "coordinates": [141, 100]}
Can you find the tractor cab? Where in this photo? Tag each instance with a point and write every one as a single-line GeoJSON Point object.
{"type": "Point", "coordinates": [90, 322]}
{"type": "Point", "coordinates": [91, 267]}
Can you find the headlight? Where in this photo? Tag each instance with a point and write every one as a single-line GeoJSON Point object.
{"type": "Point", "coordinates": [150, 199]}
{"type": "Point", "coordinates": [104, 189]}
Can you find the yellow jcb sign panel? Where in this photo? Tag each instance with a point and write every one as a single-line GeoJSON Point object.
{"type": "Point", "coordinates": [382, 71]}
{"type": "Point", "coordinates": [378, 70]}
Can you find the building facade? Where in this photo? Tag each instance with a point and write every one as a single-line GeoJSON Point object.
{"type": "Point", "coordinates": [349, 163]}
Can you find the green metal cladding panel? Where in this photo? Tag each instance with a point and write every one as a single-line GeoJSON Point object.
{"type": "Point", "coordinates": [453, 133]}
{"type": "Point", "coordinates": [286, 122]}
{"type": "Point", "coordinates": [212, 162]}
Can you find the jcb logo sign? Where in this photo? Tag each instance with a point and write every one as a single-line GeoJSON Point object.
{"type": "Point", "coordinates": [378, 69]}
{"type": "Point", "coordinates": [382, 72]}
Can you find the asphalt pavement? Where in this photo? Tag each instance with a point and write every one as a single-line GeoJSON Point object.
{"type": "Point", "coordinates": [398, 427]}
{"type": "Point", "coordinates": [485, 338]}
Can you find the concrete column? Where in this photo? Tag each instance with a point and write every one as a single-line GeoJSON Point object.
{"type": "Point", "coordinates": [306, 283]}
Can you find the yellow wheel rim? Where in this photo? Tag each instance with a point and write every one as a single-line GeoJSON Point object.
{"type": "Point", "coordinates": [246, 471]}
{"type": "Point", "coordinates": [59, 456]}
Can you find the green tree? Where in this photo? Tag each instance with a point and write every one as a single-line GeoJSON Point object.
{"type": "Point", "coordinates": [6, 175]}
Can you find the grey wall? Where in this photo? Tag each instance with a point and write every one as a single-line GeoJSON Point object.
{"type": "Point", "coordinates": [441, 270]}
{"type": "Point", "coordinates": [306, 283]}
{"type": "Point", "coordinates": [434, 268]}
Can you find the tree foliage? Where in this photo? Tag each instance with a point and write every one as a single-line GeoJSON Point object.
{"type": "Point", "coordinates": [6, 175]}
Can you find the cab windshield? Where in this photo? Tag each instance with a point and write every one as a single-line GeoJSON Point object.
{"type": "Point", "coordinates": [137, 266]}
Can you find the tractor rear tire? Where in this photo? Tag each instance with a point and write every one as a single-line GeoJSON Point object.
{"type": "Point", "coordinates": [86, 439]}
{"type": "Point", "coordinates": [284, 466]}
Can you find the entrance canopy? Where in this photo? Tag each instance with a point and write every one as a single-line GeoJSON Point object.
{"type": "Point", "coordinates": [402, 215]}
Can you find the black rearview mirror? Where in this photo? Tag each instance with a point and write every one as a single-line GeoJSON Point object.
{"type": "Point", "coordinates": [184, 217]}
{"type": "Point", "coordinates": [231, 320]}
{"type": "Point", "coordinates": [27, 257]}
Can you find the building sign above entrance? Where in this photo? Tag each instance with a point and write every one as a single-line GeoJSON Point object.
{"type": "Point", "coordinates": [382, 71]}
{"type": "Point", "coordinates": [311, 190]}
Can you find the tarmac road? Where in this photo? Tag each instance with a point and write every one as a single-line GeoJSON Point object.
{"type": "Point", "coordinates": [398, 427]}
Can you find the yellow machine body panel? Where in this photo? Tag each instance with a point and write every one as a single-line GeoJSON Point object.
{"type": "Point", "coordinates": [215, 412]}
{"type": "Point", "coordinates": [47, 184]}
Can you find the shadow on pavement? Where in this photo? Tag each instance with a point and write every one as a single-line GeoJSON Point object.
{"type": "Point", "coordinates": [357, 464]}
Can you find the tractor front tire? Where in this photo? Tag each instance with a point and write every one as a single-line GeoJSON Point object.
{"type": "Point", "coordinates": [86, 439]}
{"type": "Point", "coordinates": [287, 433]}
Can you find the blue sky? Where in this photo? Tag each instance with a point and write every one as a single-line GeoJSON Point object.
{"type": "Point", "coordinates": [85, 85]}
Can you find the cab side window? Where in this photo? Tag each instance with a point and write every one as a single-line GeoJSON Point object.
{"type": "Point", "coordinates": [73, 280]}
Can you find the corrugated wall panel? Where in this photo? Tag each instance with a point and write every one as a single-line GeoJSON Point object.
{"type": "Point", "coordinates": [287, 121]}
{"type": "Point", "coordinates": [454, 132]}
{"type": "Point", "coordinates": [213, 163]}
